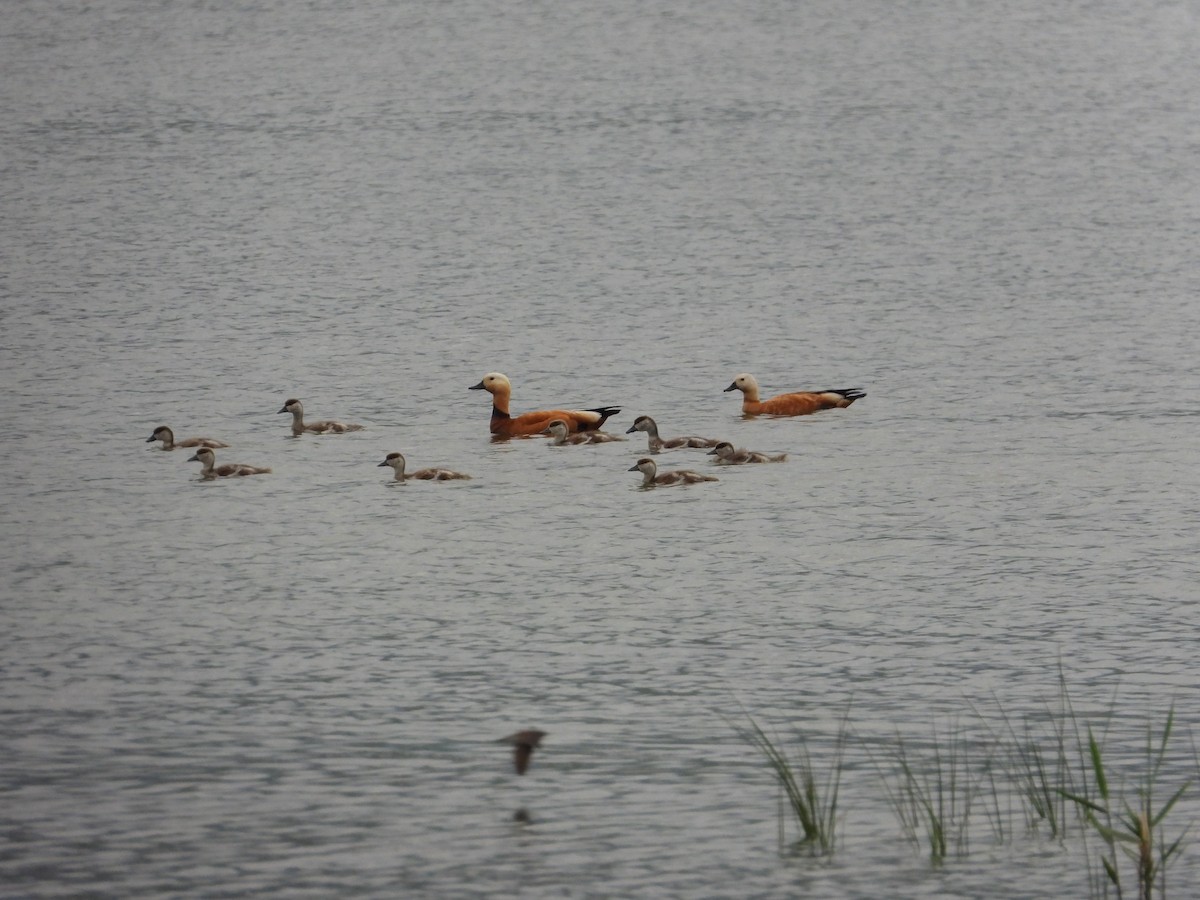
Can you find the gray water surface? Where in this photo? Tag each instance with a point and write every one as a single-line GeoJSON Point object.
{"type": "Point", "coordinates": [289, 685]}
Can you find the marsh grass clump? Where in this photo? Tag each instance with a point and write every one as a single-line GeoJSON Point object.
{"type": "Point", "coordinates": [935, 794]}
{"type": "Point", "coordinates": [1050, 769]}
{"type": "Point", "coordinates": [813, 801]}
{"type": "Point", "coordinates": [1042, 759]}
{"type": "Point", "coordinates": [1039, 766]}
{"type": "Point", "coordinates": [1133, 830]}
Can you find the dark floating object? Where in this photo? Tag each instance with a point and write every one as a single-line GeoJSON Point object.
{"type": "Point", "coordinates": [523, 743]}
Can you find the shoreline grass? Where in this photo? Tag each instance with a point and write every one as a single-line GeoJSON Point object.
{"type": "Point", "coordinates": [1042, 772]}
{"type": "Point", "coordinates": [936, 794]}
{"type": "Point", "coordinates": [813, 803]}
{"type": "Point", "coordinates": [1131, 828]}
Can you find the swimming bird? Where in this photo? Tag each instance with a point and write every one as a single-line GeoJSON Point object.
{"type": "Point", "coordinates": [210, 470]}
{"type": "Point", "coordinates": [651, 478]}
{"type": "Point", "coordinates": [396, 461]}
{"type": "Point", "coordinates": [558, 429]}
{"type": "Point", "coordinates": [657, 444]}
{"type": "Point", "coordinates": [167, 436]}
{"type": "Point", "coordinates": [504, 425]}
{"type": "Point", "coordinates": [523, 743]}
{"type": "Point", "coordinates": [728, 456]}
{"type": "Point", "coordinates": [296, 408]}
{"type": "Point", "coordinates": [796, 403]}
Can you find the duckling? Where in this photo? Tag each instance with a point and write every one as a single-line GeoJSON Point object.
{"type": "Point", "coordinates": [558, 428]}
{"type": "Point", "coordinates": [167, 436]}
{"type": "Point", "coordinates": [504, 425]}
{"type": "Point", "coordinates": [396, 461]}
{"type": "Point", "coordinates": [796, 403]}
{"type": "Point", "coordinates": [296, 408]}
{"type": "Point", "coordinates": [657, 444]}
{"type": "Point", "coordinates": [651, 478]}
{"type": "Point", "coordinates": [210, 471]}
{"type": "Point", "coordinates": [728, 456]}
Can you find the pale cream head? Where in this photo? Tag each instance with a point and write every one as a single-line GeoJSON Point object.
{"type": "Point", "coordinates": [745, 383]}
{"type": "Point", "coordinates": [494, 382]}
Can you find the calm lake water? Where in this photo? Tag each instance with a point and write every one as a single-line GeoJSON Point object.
{"type": "Point", "coordinates": [984, 215]}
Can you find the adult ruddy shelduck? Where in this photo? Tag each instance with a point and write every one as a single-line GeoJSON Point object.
{"type": "Point", "coordinates": [504, 425]}
{"type": "Point", "coordinates": [299, 427]}
{"type": "Point", "coordinates": [211, 471]}
{"type": "Point", "coordinates": [562, 436]}
{"type": "Point", "coordinates": [727, 455]}
{"type": "Point", "coordinates": [796, 403]}
{"type": "Point", "coordinates": [396, 461]}
{"type": "Point", "coordinates": [167, 436]}
{"type": "Point", "coordinates": [658, 444]}
{"type": "Point", "coordinates": [652, 478]}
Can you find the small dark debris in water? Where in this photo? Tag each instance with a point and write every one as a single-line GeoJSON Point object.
{"type": "Point", "coordinates": [522, 815]}
{"type": "Point", "coordinates": [523, 743]}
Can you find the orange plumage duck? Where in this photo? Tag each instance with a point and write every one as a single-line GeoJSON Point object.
{"type": "Point", "coordinates": [504, 424]}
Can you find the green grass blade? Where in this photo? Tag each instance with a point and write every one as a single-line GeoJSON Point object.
{"type": "Point", "coordinates": [1174, 799]}
{"type": "Point", "coordinates": [1097, 765]}
{"type": "Point", "coordinates": [1084, 802]}
{"type": "Point", "coordinates": [1111, 870]}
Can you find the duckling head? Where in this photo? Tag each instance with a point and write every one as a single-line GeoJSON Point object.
{"type": "Point", "coordinates": [743, 383]}
{"type": "Point", "coordinates": [203, 455]}
{"type": "Point", "coordinates": [162, 433]}
{"type": "Point", "coordinates": [291, 406]}
{"type": "Point", "coordinates": [557, 427]}
{"type": "Point", "coordinates": [722, 450]}
{"type": "Point", "coordinates": [493, 382]}
{"type": "Point", "coordinates": [643, 423]}
{"type": "Point", "coordinates": [645, 465]}
{"type": "Point", "coordinates": [395, 460]}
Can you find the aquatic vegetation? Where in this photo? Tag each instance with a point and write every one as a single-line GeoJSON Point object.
{"type": "Point", "coordinates": [1041, 758]}
{"type": "Point", "coordinates": [1046, 771]}
{"type": "Point", "coordinates": [1135, 829]}
{"type": "Point", "coordinates": [814, 804]}
{"type": "Point", "coordinates": [936, 795]}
